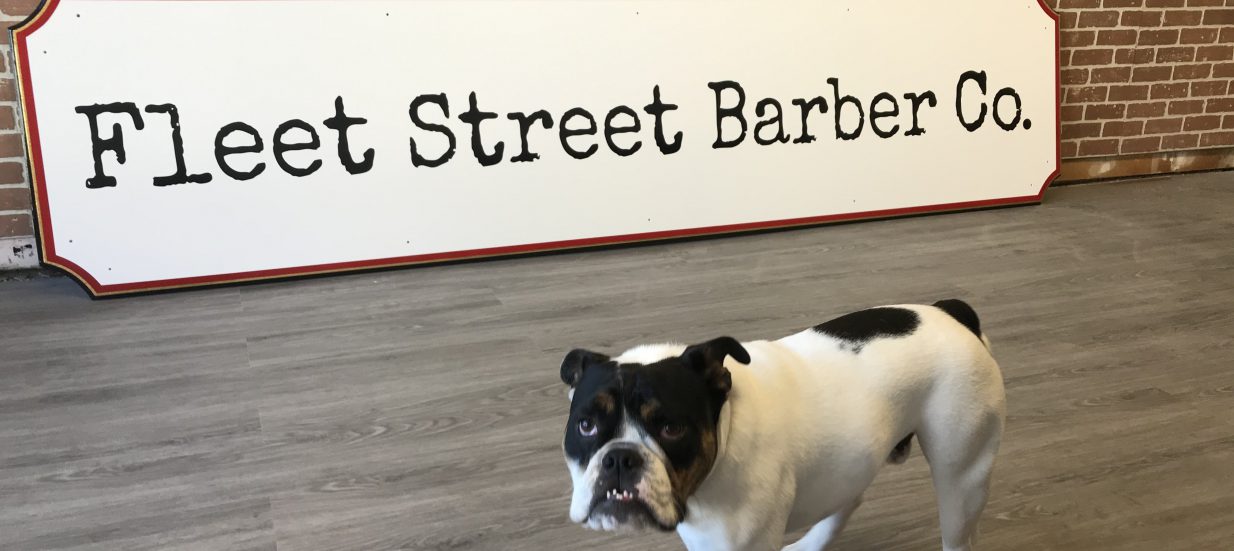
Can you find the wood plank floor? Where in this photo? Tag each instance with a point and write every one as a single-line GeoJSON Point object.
{"type": "Point", "coordinates": [421, 409]}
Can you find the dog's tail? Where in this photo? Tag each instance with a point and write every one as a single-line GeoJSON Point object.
{"type": "Point", "coordinates": [964, 314]}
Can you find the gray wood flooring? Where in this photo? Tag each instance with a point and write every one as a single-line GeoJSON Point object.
{"type": "Point", "coordinates": [421, 409]}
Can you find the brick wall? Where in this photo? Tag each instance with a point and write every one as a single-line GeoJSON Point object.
{"type": "Point", "coordinates": [17, 248]}
{"type": "Point", "coordinates": [1139, 77]}
{"type": "Point", "coordinates": [1145, 76]}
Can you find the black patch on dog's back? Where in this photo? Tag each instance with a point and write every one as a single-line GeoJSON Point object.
{"type": "Point", "coordinates": [962, 313]}
{"type": "Point", "coordinates": [859, 328]}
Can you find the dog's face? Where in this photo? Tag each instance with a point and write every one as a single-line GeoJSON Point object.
{"type": "Point", "coordinates": [642, 437]}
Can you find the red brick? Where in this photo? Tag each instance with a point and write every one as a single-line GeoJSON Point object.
{"type": "Point", "coordinates": [1209, 88]}
{"type": "Point", "coordinates": [1156, 73]}
{"type": "Point", "coordinates": [1098, 147]}
{"type": "Point", "coordinates": [1188, 72]}
{"type": "Point", "coordinates": [1074, 76]}
{"type": "Point", "coordinates": [1227, 34]}
{"type": "Point", "coordinates": [1182, 18]}
{"type": "Point", "coordinates": [1089, 94]}
{"type": "Point", "coordinates": [1214, 53]}
{"type": "Point", "coordinates": [18, 8]}
{"type": "Point", "coordinates": [1170, 90]}
{"type": "Point", "coordinates": [1159, 37]}
{"type": "Point", "coordinates": [1187, 107]}
{"type": "Point", "coordinates": [1073, 113]}
{"type": "Point", "coordinates": [14, 199]}
{"type": "Point", "coordinates": [1064, 57]}
{"type": "Point", "coordinates": [1228, 122]}
{"type": "Point", "coordinates": [1183, 141]}
{"type": "Point", "coordinates": [1205, 3]}
{"type": "Point", "coordinates": [1136, 56]}
{"type": "Point", "coordinates": [1091, 57]}
{"type": "Point", "coordinates": [1223, 70]}
{"type": "Point", "coordinates": [1081, 130]}
{"type": "Point", "coordinates": [15, 225]}
{"type": "Point", "coordinates": [1219, 17]}
{"type": "Point", "coordinates": [1216, 139]}
{"type": "Point", "coordinates": [1219, 105]}
{"type": "Point", "coordinates": [12, 173]}
{"type": "Point", "coordinates": [1122, 3]}
{"type": "Point", "coordinates": [1069, 19]}
{"type": "Point", "coordinates": [11, 145]}
{"type": "Point", "coordinates": [1111, 74]}
{"type": "Point", "coordinates": [1198, 36]}
{"type": "Point", "coordinates": [1144, 18]}
{"type": "Point", "coordinates": [1077, 39]}
{"type": "Point", "coordinates": [1070, 149]}
{"type": "Point", "coordinates": [1122, 128]}
{"type": "Point", "coordinates": [1117, 37]}
{"type": "Point", "coordinates": [1165, 3]}
{"type": "Point", "coordinates": [1099, 19]}
{"type": "Point", "coordinates": [1141, 145]}
{"type": "Point", "coordinates": [1078, 4]}
{"type": "Point", "coordinates": [1202, 122]}
{"type": "Point", "coordinates": [1164, 126]}
{"type": "Point", "coordinates": [1128, 93]}
{"type": "Point", "coordinates": [1146, 110]}
{"type": "Point", "coordinates": [1105, 112]}
{"type": "Point", "coordinates": [1176, 54]}
{"type": "Point", "coordinates": [8, 118]}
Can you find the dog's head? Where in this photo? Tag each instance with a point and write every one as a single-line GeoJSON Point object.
{"type": "Point", "coordinates": [643, 430]}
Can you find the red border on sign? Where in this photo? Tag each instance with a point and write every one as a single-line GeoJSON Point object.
{"type": "Point", "coordinates": [45, 229]}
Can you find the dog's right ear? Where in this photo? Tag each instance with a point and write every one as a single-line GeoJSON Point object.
{"type": "Point", "coordinates": [577, 361]}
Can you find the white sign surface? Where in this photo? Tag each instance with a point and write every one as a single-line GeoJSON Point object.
{"type": "Point", "coordinates": [180, 142]}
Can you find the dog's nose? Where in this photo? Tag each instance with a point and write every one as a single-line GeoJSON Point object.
{"type": "Point", "coordinates": [622, 459]}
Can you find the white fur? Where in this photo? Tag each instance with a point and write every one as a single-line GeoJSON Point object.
{"type": "Point", "coordinates": [809, 424]}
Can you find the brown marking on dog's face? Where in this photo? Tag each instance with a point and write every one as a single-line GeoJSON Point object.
{"type": "Point", "coordinates": [606, 403]}
{"type": "Point", "coordinates": [687, 480]}
{"type": "Point", "coordinates": [648, 410]}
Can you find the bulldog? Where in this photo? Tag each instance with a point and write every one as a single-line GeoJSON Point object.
{"type": "Point", "coordinates": [734, 445]}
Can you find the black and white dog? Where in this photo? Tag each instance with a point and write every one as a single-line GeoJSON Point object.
{"type": "Point", "coordinates": [734, 444]}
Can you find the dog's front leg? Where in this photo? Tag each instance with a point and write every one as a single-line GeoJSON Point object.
{"type": "Point", "coordinates": [757, 525]}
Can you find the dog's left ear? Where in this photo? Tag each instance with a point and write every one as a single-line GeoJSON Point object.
{"type": "Point", "coordinates": [708, 359]}
{"type": "Point", "coordinates": [576, 361]}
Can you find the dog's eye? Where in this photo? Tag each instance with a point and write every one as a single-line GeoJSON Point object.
{"type": "Point", "coordinates": [672, 431]}
{"type": "Point", "coordinates": [587, 427]}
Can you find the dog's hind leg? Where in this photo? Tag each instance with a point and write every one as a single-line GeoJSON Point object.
{"type": "Point", "coordinates": [961, 462]}
{"type": "Point", "coordinates": [826, 531]}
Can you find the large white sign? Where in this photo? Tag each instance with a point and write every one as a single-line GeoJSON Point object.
{"type": "Point", "coordinates": [187, 142]}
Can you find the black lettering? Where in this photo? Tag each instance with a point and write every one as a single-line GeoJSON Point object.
{"type": "Point", "coordinates": [474, 116]}
{"type": "Point", "coordinates": [567, 133]}
{"type": "Point", "coordinates": [735, 112]}
{"type": "Point", "coordinates": [222, 151]}
{"type": "Point", "coordinates": [657, 109]}
{"type": "Point", "coordinates": [1019, 104]}
{"type": "Point", "coordinates": [840, 102]}
{"type": "Point", "coordinates": [439, 100]}
{"type": "Point", "coordinates": [281, 148]}
{"type": "Point", "coordinates": [917, 100]}
{"type": "Point", "coordinates": [610, 130]}
{"type": "Point", "coordinates": [806, 108]}
{"type": "Point", "coordinates": [979, 78]}
{"type": "Point", "coordinates": [115, 143]}
{"type": "Point", "coordinates": [875, 115]}
{"type": "Point", "coordinates": [778, 121]}
{"type": "Point", "coordinates": [525, 122]}
{"type": "Point", "coordinates": [341, 123]}
{"type": "Point", "coordinates": [177, 145]}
